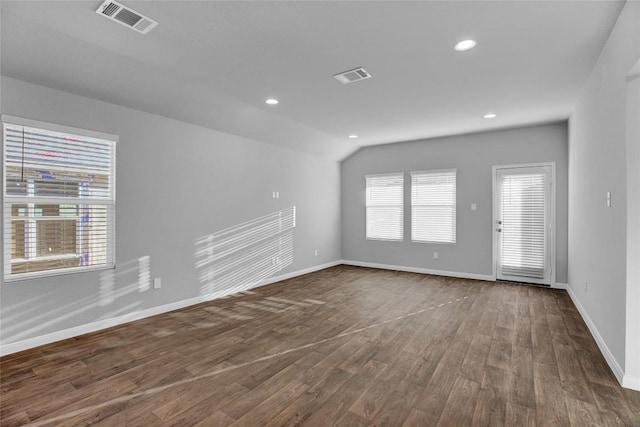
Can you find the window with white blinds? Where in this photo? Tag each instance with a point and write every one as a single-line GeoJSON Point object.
{"type": "Point", "coordinates": [385, 206]}
{"type": "Point", "coordinates": [523, 225]}
{"type": "Point", "coordinates": [433, 206]}
{"type": "Point", "coordinates": [58, 199]}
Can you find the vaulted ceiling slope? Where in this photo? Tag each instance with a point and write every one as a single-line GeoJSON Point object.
{"type": "Point", "coordinates": [213, 63]}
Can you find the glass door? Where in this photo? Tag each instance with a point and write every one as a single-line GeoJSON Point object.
{"type": "Point", "coordinates": [523, 224]}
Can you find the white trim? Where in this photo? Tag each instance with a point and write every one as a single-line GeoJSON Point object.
{"type": "Point", "coordinates": [380, 239]}
{"type": "Point", "coordinates": [15, 347]}
{"type": "Point", "coordinates": [20, 121]}
{"type": "Point", "coordinates": [57, 272]}
{"type": "Point", "coordinates": [297, 273]}
{"type": "Point", "coordinates": [379, 175]}
{"type": "Point", "coordinates": [557, 285]}
{"type": "Point", "coordinates": [413, 221]}
{"type": "Point", "coordinates": [602, 345]}
{"type": "Point", "coordinates": [433, 171]}
{"type": "Point", "coordinates": [632, 318]}
{"type": "Point", "coordinates": [552, 210]}
{"type": "Point", "coordinates": [631, 382]}
{"type": "Point", "coordinates": [399, 205]}
{"type": "Point", "coordinates": [109, 202]}
{"type": "Point", "coordinates": [419, 270]}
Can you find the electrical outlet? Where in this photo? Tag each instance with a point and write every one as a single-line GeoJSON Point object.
{"type": "Point", "coordinates": [586, 287]}
{"type": "Point", "coordinates": [316, 252]}
{"type": "Point", "coordinates": [435, 255]}
{"type": "Point", "coordinates": [157, 283]}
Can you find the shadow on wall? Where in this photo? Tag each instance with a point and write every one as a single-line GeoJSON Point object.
{"type": "Point", "coordinates": [239, 257]}
{"type": "Point", "coordinates": [31, 317]}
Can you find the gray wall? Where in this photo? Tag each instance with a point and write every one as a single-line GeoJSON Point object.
{"type": "Point", "coordinates": [597, 165]}
{"type": "Point", "coordinates": [175, 183]}
{"type": "Point", "coordinates": [473, 156]}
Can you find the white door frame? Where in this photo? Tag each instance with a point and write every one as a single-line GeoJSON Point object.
{"type": "Point", "coordinates": [631, 377]}
{"type": "Point", "coordinates": [552, 210]}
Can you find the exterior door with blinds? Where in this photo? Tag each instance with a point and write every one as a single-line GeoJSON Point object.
{"type": "Point", "coordinates": [523, 223]}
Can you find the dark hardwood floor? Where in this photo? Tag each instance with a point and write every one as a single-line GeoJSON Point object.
{"type": "Point", "coordinates": [344, 346]}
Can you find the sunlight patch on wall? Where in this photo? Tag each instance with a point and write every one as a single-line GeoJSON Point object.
{"type": "Point", "coordinates": [129, 277]}
{"type": "Point", "coordinates": [136, 272]}
{"type": "Point", "coordinates": [239, 257]}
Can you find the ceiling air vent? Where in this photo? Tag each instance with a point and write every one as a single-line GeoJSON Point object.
{"type": "Point", "coordinates": [352, 75]}
{"type": "Point", "coordinates": [126, 16]}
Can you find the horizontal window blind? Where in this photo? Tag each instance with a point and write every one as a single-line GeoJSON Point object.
{"type": "Point", "coordinates": [433, 206]}
{"type": "Point", "coordinates": [523, 225]}
{"type": "Point", "coordinates": [384, 203]}
{"type": "Point", "coordinates": [59, 201]}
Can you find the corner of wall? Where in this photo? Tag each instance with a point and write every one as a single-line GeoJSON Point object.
{"type": "Point", "coordinates": [616, 368]}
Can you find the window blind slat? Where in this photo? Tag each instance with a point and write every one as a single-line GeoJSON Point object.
{"type": "Point", "coordinates": [433, 206]}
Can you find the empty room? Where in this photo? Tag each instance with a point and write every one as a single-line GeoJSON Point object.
{"type": "Point", "coordinates": [320, 213]}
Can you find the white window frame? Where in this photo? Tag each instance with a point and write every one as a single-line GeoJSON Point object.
{"type": "Point", "coordinates": [399, 205]}
{"type": "Point", "coordinates": [7, 200]}
{"type": "Point", "coordinates": [552, 208]}
{"type": "Point", "coordinates": [414, 205]}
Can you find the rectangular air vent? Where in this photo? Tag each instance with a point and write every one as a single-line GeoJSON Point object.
{"type": "Point", "coordinates": [126, 16]}
{"type": "Point", "coordinates": [352, 75]}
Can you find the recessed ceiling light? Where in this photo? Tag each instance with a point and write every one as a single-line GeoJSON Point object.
{"type": "Point", "coordinates": [353, 136]}
{"type": "Point", "coordinates": [465, 45]}
{"type": "Point", "coordinates": [490, 116]}
{"type": "Point", "coordinates": [271, 101]}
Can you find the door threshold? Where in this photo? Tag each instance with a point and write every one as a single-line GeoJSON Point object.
{"type": "Point", "coordinates": [513, 282]}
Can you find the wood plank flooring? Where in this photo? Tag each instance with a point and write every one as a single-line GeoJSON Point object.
{"type": "Point", "coordinates": [345, 346]}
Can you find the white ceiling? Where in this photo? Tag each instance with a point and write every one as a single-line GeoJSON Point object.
{"type": "Point", "coordinates": [214, 63]}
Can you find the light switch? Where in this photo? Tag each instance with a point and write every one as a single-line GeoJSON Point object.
{"type": "Point", "coordinates": [474, 206]}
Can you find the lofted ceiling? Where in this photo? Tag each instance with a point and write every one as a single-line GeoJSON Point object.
{"type": "Point", "coordinates": [213, 63]}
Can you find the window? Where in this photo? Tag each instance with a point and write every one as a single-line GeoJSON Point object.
{"type": "Point", "coordinates": [433, 206]}
{"type": "Point", "coordinates": [385, 206]}
{"type": "Point", "coordinates": [58, 199]}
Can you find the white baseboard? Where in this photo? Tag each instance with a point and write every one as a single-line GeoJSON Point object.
{"type": "Point", "coordinates": [625, 380]}
{"type": "Point", "coordinates": [15, 347]}
{"type": "Point", "coordinates": [297, 273]}
{"type": "Point", "coordinates": [608, 356]}
{"type": "Point", "coordinates": [419, 270]}
{"type": "Point", "coordinates": [631, 382]}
